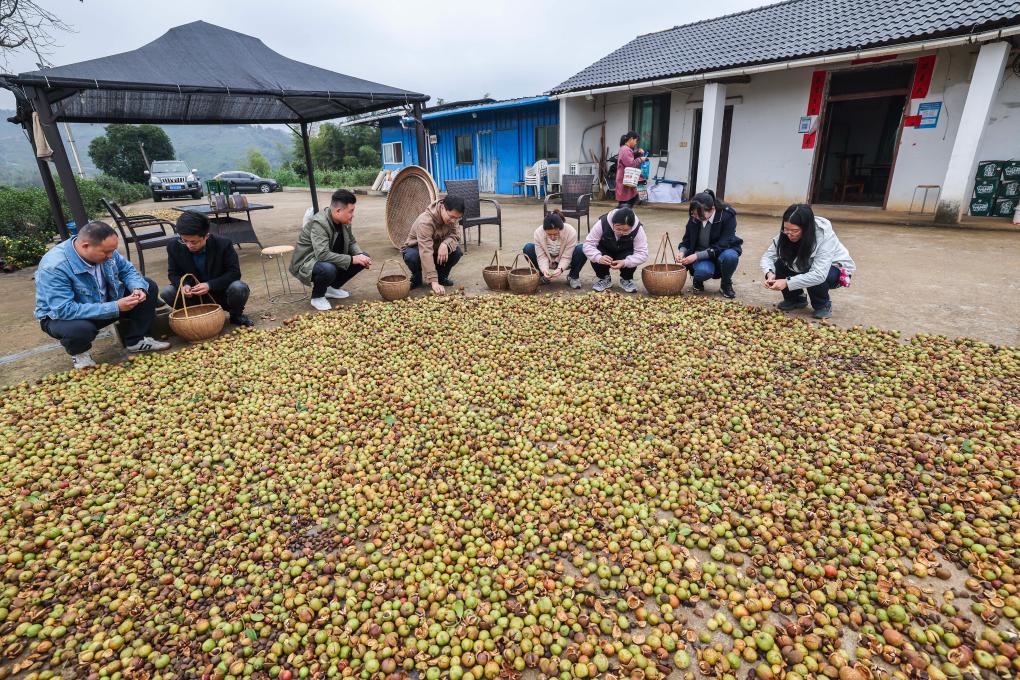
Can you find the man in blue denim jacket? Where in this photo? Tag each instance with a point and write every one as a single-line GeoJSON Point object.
{"type": "Point", "coordinates": [84, 285]}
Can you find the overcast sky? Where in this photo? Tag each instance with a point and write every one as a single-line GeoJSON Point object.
{"type": "Point", "coordinates": [450, 49]}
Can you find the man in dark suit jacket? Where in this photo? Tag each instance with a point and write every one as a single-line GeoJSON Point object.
{"type": "Point", "coordinates": [212, 260]}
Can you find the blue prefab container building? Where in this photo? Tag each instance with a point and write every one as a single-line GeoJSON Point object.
{"type": "Point", "coordinates": [491, 142]}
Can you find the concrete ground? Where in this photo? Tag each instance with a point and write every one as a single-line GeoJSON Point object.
{"type": "Point", "coordinates": [915, 279]}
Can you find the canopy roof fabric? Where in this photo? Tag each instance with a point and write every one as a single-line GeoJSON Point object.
{"type": "Point", "coordinates": [201, 73]}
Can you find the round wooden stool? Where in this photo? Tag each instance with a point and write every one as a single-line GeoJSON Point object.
{"type": "Point", "coordinates": [287, 294]}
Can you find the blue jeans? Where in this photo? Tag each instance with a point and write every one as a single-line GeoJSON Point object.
{"type": "Point", "coordinates": [76, 335]}
{"type": "Point", "coordinates": [328, 275]}
{"type": "Point", "coordinates": [819, 294]}
{"type": "Point", "coordinates": [720, 267]}
{"type": "Point", "coordinates": [577, 259]}
{"type": "Point", "coordinates": [412, 258]}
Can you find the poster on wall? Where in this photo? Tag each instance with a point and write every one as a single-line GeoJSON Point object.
{"type": "Point", "coordinates": [929, 114]}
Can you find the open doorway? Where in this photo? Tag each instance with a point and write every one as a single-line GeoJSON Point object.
{"type": "Point", "coordinates": [860, 133]}
{"type": "Point", "coordinates": [724, 153]}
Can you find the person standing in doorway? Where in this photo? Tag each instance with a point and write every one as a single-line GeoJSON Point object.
{"type": "Point", "coordinates": [628, 157]}
{"type": "Point", "coordinates": [710, 247]}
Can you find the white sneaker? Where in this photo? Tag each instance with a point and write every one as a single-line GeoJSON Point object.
{"type": "Point", "coordinates": [148, 344]}
{"type": "Point", "coordinates": [602, 284]}
{"type": "Point", "coordinates": [628, 285]}
{"type": "Point", "coordinates": [83, 360]}
{"type": "Point", "coordinates": [337, 293]}
{"type": "Point", "coordinates": [574, 283]}
{"type": "Point", "coordinates": [321, 304]}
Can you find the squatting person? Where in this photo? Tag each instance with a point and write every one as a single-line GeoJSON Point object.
{"type": "Point", "coordinates": [710, 247]}
{"type": "Point", "coordinates": [555, 250]}
{"type": "Point", "coordinates": [212, 260]}
{"type": "Point", "coordinates": [616, 242]}
{"type": "Point", "coordinates": [432, 248]}
{"type": "Point", "coordinates": [806, 255]}
{"type": "Point", "coordinates": [84, 285]}
{"type": "Point", "coordinates": [327, 255]}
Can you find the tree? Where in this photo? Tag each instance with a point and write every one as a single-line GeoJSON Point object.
{"type": "Point", "coordinates": [336, 147]}
{"type": "Point", "coordinates": [257, 163]}
{"type": "Point", "coordinates": [368, 157]}
{"type": "Point", "coordinates": [25, 25]}
{"type": "Point", "coordinates": [117, 153]}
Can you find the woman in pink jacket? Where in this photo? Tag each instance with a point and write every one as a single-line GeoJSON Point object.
{"type": "Point", "coordinates": [627, 158]}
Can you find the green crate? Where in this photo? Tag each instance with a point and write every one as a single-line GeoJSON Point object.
{"type": "Point", "coordinates": [216, 186]}
{"type": "Point", "coordinates": [990, 169]}
{"type": "Point", "coordinates": [1011, 170]}
{"type": "Point", "coordinates": [1009, 190]}
{"type": "Point", "coordinates": [1004, 207]}
{"type": "Point", "coordinates": [986, 188]}
{"type": "Point", "coordinates": [981, 207]}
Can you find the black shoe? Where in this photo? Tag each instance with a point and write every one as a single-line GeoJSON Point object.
{"type": "Point", "coordinates": [727, 290]}
{"type": "Point", "coordinates": [445, 282]}
{"type": "Point", "coordinates": [699, 286]}
{"type": "Point", "coordinates": [788, 305]}
{"type": "Point", "coordinates": [241, 320]}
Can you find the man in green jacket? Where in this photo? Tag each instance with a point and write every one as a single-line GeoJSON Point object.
{"type": "Point", "coordinates": [327, 255]}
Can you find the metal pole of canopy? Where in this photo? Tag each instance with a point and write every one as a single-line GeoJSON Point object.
{"type": "Point", "coordinates": [419, 136]}
{"type": "Point", "coordinates": [67, 178]}
{"type": "Point", "coordinates": [308, 165]}
{"type": "Point", "coordinates": [48, 185]}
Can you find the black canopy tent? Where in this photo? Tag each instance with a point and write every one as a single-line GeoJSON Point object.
{"type": "Point", "coordinates": [197, 73]}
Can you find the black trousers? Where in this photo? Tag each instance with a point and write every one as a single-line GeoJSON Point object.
{"type": "Point", "coordinates": [233, 299]}
{"type": "Point", "coordinates": [819, 295]}
{"type": "Point", "coordinates": [328, 275]}
{"type": "Point", "coordinates": [602, 271]}
{"type": "Point", "coordinates": [76, 335]}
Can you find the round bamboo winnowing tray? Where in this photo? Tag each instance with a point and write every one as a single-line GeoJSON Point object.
{"type": "Point", "coordinates": [411, 192]}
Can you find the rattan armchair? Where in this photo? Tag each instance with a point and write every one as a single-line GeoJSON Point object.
{"type": "Point", "coordinates": [146, 232]}
{"type": "Point", "coordinates": [468, 190]}
{"type": "Point", "coordinates": [575, 198]}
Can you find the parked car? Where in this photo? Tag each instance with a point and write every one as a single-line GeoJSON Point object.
{"type": "Point", "coordinates": [172, 179]}
{"type": "Point", "coordinates": [246, 181]}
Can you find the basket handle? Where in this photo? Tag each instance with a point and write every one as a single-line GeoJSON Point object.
{"type": "Point", "coordinates": [665, 248]}
{"type": "Point", "coordinates": [495, 258]}
{"type": "Point", "coordinates": [184, 298]}
{"type": "Point", "coordinates": [385, 262]}
{"type": "Point", "coordinates": [513, 266]}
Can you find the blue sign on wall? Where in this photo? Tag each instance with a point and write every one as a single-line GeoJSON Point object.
{"type": "Point", "coordinates": [929, 112]}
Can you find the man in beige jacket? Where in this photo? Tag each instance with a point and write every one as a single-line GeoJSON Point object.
{"type": "Point", "coordinates": [433, 246]}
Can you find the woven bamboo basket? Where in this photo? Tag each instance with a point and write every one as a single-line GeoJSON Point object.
{"type": "Point", "coordinates": [411, 192]}
{"type": "Point", "coordinates": [664, 277]}
{"type": "Point", "coordinates": [197, 322]}
{"type": "Point", "coordinates": [523, 280]}
{"type": "Point", "coordinates": [496, 274]}
{"type": "Point", "coordinates": [393, 286]}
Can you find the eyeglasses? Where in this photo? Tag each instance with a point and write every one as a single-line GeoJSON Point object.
{"type": "Point", "coordinates": [191, 243]}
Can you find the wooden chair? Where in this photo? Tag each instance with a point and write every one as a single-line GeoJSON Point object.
{"type": "Point", "coordinates": [468, 190]}
{"type": "Point", "coordinates": [129, 226]}
{"type": "Point", "coordinates": [849, 178]}
{"type": "Point", "coordinates": [575, 199]}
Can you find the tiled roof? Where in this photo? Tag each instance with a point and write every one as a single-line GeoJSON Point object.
{"type": "Point", "coordinates": [789, 30]}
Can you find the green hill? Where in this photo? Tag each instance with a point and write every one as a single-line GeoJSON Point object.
{"type": "Point", "coordinates": [210, 148]}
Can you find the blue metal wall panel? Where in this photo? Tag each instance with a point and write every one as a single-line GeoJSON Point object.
{"type": "Point", "coordinates": [394, 133]}
{"type": "Point", "coordinates": [513, 159]}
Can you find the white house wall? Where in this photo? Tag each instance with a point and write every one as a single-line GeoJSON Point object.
{"type": "Point", "coordinates": [766, 163]}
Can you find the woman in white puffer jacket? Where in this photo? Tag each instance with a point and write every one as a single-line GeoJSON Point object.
{"type": "Point", "coordinates": [806, 255]}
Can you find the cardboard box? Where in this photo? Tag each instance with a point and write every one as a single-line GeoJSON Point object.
{"type": "Point", "coordinates": [1011, 170]}
{"type": "Point", "coordinates": [986, 188]}
{"type": "Point", "coordinates": [1004, 207]}
{"type": "Point", "coordinates": [981, 207]}
{"type": "Point", "coordinates": [1009, 190]}
{"type": "Point", "coordinates": [990, 169]}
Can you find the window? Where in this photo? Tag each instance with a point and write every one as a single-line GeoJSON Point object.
{"type": "Point", "coordinates": [393, 152]}
{"type": "Point", "coordinates": [649, 118]}
{"type": "Point", "coordinates": [464, 155]}
{"type": "Point", "coordinates": [547, 143]}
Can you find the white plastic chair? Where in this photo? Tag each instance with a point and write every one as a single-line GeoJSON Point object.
{"type": "Point", "coordinates": [536, 177]}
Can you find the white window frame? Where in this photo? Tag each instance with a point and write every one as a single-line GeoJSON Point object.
{"type": "Point", "coordinates": [391, 151]}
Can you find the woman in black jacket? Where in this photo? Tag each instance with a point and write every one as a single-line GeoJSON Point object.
{"type": "Point", "coordinates": [710, 247]}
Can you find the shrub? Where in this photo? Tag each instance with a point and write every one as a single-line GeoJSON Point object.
{"type": "Point", "coordinates": [328, 179]}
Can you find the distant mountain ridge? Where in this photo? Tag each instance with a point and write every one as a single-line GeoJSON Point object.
{"type": "Point", "coordinates": [210, 148]}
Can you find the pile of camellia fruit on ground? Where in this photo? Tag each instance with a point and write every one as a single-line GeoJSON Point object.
{"type": "Point", "coordinates": [570, 487]}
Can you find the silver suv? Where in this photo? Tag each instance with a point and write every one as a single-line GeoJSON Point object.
{"type": "Point", "coordinates": [172, 179]}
